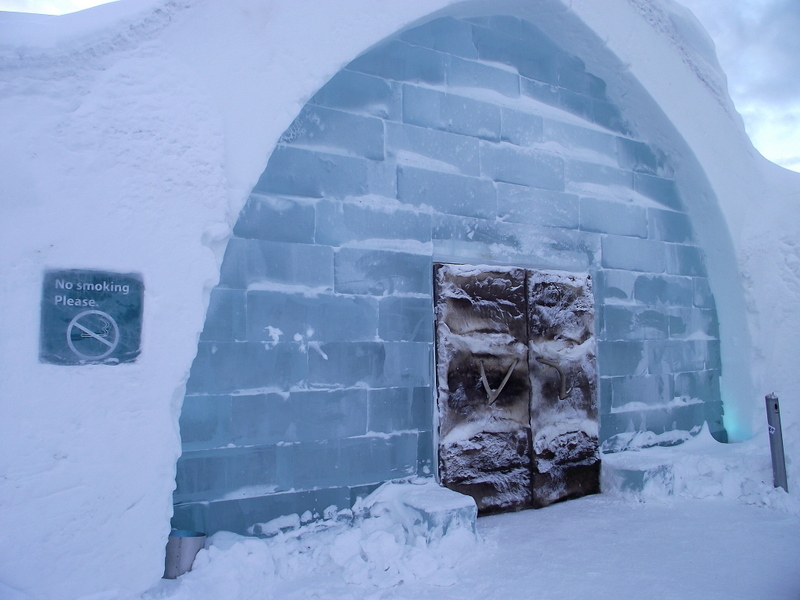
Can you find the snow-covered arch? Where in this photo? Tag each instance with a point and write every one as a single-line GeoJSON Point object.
{"type": "Point", "coordinates": [471, 137]}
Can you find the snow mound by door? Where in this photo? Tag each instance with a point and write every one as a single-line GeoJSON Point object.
{"type": "Point", "coordinates": [403, 532]}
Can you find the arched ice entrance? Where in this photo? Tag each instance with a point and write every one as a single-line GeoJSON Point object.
{"type": "Point", "coordinates": [464, 140]}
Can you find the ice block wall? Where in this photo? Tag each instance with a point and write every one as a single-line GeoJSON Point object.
{"type": "Point", "coordinates": [462, 140]}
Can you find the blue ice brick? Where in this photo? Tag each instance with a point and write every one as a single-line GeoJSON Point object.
{"type": "Point", "coordinates": [693, 322]}
{"type": "Point", "coordinates": [243, 515]}
{"type": "Point", "coordinates": [586, 172]}
{"type": "Point", "coordinates": [380, 273]}
{"type": "Point", "coordinates": [608, 115]}
{"type": "Point", "coordinates": [252, 466]}
{"type": "Point", "coordinates": [425, 453]}
{"type": "Point", "coordinates": [664, 191]}
{"type": "Point", "coordinates": [634, 323]}
{"type": "Point", "coordinates": [543, 92]}
{"type": "Point", "coordinates": [326, 415]}
{"type": "Point", "coordinates": [224, 367]}
{"type": "Point", "coordinates": [532, 58]}
{"type": "Point", "coordinates": [633, 254]}
{"type": "Point", "coordinates": [199, 475]}
{"type": "Point", "coordinates": [520, 128]}
{"type": "Point", "coordinates": [253, 262]}
{"type": "Point", "coordinates": [501, 24]}
{"type": "Point", "coordinates": [306, 465]}
{"type": "Point", "coordinates": [381, 179]}
{"type": "Point", "coordinates": [325, 317]}
{"type": "Point", "coordinates": [646, 389]}
{"type": "Point", "coordinates": [319, 127]}
{"type": "Point", "coordinates": [204, 421]}
{"type": "Point", "coordinates": [400, 409]}
{"type": "Point", "coordinates": [359, 492]}
{"type": "Point", "coordinates": [468, 73]}
{"type": "Point", "coordinates": [402, 62]}
{"type": "Point", "coordinates": [613, 217]}
{"type": "Point", "coordinates": [510, 164]}
{"type": "Point", "coordinates": [621, 358]}
{"type": "Point", "coordinates": [225, 319]}
{"type": "Point", "coordinates": [640, 157]}
{"type": "Point", "coordinates": [614, 424]}
{"type": "Point", "coordinates": [571, 70]}
{"type": "Point", "coordinates": [714, 416]}
{"type": "Point", "coordinates": [445, 35]}
{"type": "Point", "coordinates": [681, 418]}
{"type": "Point", "coordinates": [405, 319]}
{"type": "Point", "coordinates": [572, 75]}
{"type": "Point", "coordinates": [713, 355]}
{"type": "Point", "coordinates": [367, 460]}
{"type": "Point", "coordinates": [276, 219]}
{"type": "Point", "coordinates": [604, 395]}
{"type": "Point", "coordinates": [670, 226]}
{"type": "Point", "coordinates": [301, 172]}
{"type": "Point", "coordinates": [408, 142]}
{"type": "Point", "coordinates": [673, 356]}
{"type": "Point", "coordinates": [679, 323]}
{"type": "Point", "coordinates": [686, 260]}
{"type": "Point", "coordinates": [260, 419]}
{"type": "Point", "coordinates": [577, 104]}
{"type": "Point", "coordinates": [480, 232]}
{"type": "Point", "coordinates": [702, 296]}
{"type": "Point", "coordinates": [535, 206]}
{"type": "Point", "coordinates": [345, 364]}
{"type": "Point", "coordinates": [459, 239]}
{"type": "Point", "coordinates": [574, 136]}
{"type": "Point", "coordinates": [339, 223]}
{"type": "Point", "coordinates": [698, 384]}
{"type": "Point", "coordinates": [448, 112]}
{"type": "Point", "coordinates": [613, 286]}
{"type": "Point", "coordinates": [189, 516]}
{"type": "Point", "coordinates": [663, 289]}
{"type": "Point", "coordinates": [422, 408]}
{"type": "Point", "coordinates": [446, 192]}
{"type": "Point", "coordinates": [210, 474]}
{"type": "Point", "coordinates": [361, 93]}
{"type": "Point", "coordinates": [407, 364]}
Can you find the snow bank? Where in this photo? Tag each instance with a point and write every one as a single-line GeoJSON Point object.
{"type": "Point", "coordinates": [700, 468]}
{"type": "Point", "coordinates": [401, 533]}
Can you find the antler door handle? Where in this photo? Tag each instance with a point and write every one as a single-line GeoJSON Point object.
{"type": "Point", "coordinates": [563, 392]}
{"type": "Point", "coordinates": [493, 394]}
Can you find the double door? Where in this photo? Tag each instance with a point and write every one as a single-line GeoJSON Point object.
{"type": "Point", "coordinates": [516, 385]}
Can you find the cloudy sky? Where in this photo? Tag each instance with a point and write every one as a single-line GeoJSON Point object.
{"type": "Point", "coordinates": [758, 43]}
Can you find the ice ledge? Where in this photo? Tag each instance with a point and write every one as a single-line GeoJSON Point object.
{"type": "Point", "coordinates": [635, 474]}
{"type": "Point", "coordinates": [424, 508]}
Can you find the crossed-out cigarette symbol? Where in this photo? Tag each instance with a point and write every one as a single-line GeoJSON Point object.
{"type": "Point", "coordinates": [94, 326]}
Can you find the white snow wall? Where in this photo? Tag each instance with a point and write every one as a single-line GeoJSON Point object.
{"type": "Point", "coordinates": [131, 136]}
{"type": "Point", "coordinates": [472, 141]}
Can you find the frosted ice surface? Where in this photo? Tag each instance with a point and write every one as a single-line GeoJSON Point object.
{"type": "Point", "coordinates": [448, 112]}
{"type": "Point", "coordinates": [424, 508]}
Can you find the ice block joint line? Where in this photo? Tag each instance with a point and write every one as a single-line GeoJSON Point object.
{"type": "Point", "coordinates": [563, 392]}
{"type": "Point", "coordinates": [493, 394]}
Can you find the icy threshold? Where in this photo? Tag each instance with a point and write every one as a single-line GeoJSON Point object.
{"type": "Point", "coordinates": [720, 531]}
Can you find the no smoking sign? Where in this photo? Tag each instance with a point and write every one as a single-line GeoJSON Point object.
{"type": "Point", "coordinates": [90, 317]}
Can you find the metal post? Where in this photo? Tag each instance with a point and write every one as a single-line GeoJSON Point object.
{"type": "Point", "coordinates": [776, 442]}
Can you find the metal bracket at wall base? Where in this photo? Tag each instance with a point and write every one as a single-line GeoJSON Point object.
{"type": "Point", "coordinates": [776, 442]}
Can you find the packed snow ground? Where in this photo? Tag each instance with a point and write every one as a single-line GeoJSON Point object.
{"type": "Point", "coordinates": [724, 533]}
